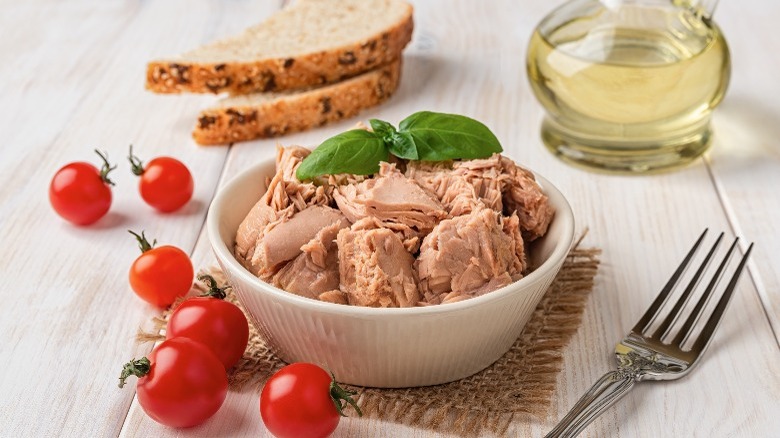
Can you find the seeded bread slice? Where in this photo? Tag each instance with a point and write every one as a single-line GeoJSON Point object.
{"type": "Point", "coordinates": [262, 115]}
{"type": "Point", "coordinates": [311, 43]}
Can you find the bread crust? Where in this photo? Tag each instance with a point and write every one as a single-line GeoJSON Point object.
{"type": "Point", "coordinates": [297, 111]}
{"type": "Point", "coordinates": [278, 74]}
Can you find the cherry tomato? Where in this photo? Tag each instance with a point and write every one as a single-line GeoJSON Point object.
{"type": "Point", "coordinates": [160, 275]}
{"type": "Point", "coordinates": [303, 400]}
{"type": "Point", "coordinates": [166, 183]}
{"type": "Point", "coordinates": [217, 324]}
{"type": "Point", "coordinates": [80, 193]}
{"type": "Point", "coordinates": [181, 384]}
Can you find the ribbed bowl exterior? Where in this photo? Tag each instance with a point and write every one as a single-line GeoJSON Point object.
{"type": "Point", "coordinates": [386, 348]}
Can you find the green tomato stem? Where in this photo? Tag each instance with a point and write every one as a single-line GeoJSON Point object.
{"type": "Point", "coordinates": [214, 290]}
{"type": "Point", "coordinates": [136, 165]}
{"type": "Point", "coordinates": [143, 244]}
{"type": "Point", "coordinates": [341, 397]}
{"type": "Point", "coordinates": [106, 168]}
{"type": "Point", "coordinates": [136, 367]}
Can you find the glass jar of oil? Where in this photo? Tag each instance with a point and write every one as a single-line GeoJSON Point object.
{"type": "Point", "coordinates": [628, 86]}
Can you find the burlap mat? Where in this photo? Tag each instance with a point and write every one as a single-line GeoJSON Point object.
{"type": "Point", "coordinates": [519, 385]}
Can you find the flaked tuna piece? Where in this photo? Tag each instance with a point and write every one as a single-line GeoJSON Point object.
{"type": "Point", "coordinates": [390, 197]}
{"type": "Point", "coordinates": [460, 185]}
{"type": "Point", "coordinates": [487, 177]}
{"type": "Point", "coordinates": [250, 228]}
{"type": "Point", "coordinates": [497, 181]}
{"type": "Point", "coordinates": [464, 254]}
{"type": "Point", "coordinates": [494, 283]}
{"type": "Point", "coordinates": [315, 270]}
{"type": "Point", "coordinates": [410, 237]}
{"type": "Point", "coordinates": [342, 179]}
{"type": "Point", "coordinates": [334, 296]}
{"type": "Point", "coordinates": [524, 195]}
{"type": "Point", "coordinates": [430, 175]}
{"type": "Point", "coordinates": [454, 297]}
{"type": "Point", "coordinates": [288, 159]}
{"type": "Point", "coordinates": [375, 269]}
{"type": "Point", "coordinates": [454, 192]}
{"type": "Point", "coordinates": [284, 241]}
{"type": "Point", "coordinates": [260, 219]}
{"type": "Point", "coordinates": [284, 189]}
{"type": "Point", "coordinates": [460, 196]}
{"type": "Point", "coordinates": [284, 197]}
{"type": "Point", "coordinates": [511, 227]}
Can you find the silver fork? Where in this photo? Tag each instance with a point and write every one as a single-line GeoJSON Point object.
{"type": "Point", "coordinates": [643, 355]}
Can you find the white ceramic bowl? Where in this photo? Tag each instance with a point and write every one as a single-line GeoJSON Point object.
{"type": "Point", "coordinates": [387, 348]}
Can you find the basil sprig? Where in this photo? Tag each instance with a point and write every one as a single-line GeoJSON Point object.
{"type": "Point", "coordinates": [425, 135]}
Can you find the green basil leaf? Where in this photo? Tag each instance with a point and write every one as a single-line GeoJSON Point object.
{"type": "Point", "coordinates": [382, 128]}
{"type": "Point", "coordinates": [402, 145]}
{"type": "Point", "coordinates": [440, 136]}
{"type": "Point", "coordinates": [357, 151]}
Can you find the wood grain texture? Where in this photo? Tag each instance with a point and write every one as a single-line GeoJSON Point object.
{"type": "Point", "coordinates": [68, 318]}
{"type": "Point", "coordinates": [74, 83]}
{"type": "Point", "coordinates": [745, 159]}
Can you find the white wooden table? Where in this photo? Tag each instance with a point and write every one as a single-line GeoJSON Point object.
{"type": "Point", "coordinates": [71, 80]}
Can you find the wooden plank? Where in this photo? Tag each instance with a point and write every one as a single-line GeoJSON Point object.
{"type": "Point", "coordinates": [745, 158]}
{"type": "Point", "coordinates": [469, 59]}
{"type": "Point", "coordinates": [75, 82]}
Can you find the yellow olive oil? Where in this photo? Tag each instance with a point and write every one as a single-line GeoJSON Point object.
{"type": "Point", "coordinates": [633, 94]}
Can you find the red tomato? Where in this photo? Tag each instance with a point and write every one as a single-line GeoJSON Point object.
{"type": "Point", "coordinates": [181, 384]}
{"type": "Point", "coordinates": [215, 323]}
{"type": "Point", "coordinates": [160, 275]}
{"type": "Point", "coordinates": [80, 193]}
{"type": "Point", "coordinates": [301, 400]}
{"type": "Point", "coordinates": [166, 183]}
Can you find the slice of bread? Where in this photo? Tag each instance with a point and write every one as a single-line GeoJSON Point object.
{"type": "Point", "coordinates": [262, 115]}
{"type": "Point", "coordinates": [311, 43]}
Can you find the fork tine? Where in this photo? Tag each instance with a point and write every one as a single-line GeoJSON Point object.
{"type": "Point", "coordinates": [706, 334]}
{"type": "Point", "coordinates": [684, 332]}
{"type": "Point", "coordinates": [663, 329]}
{"type": "Point", "coordinates": [664, 294]}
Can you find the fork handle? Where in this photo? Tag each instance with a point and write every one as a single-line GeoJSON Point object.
{"type": "Point", "coordinates": [603, 394]}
